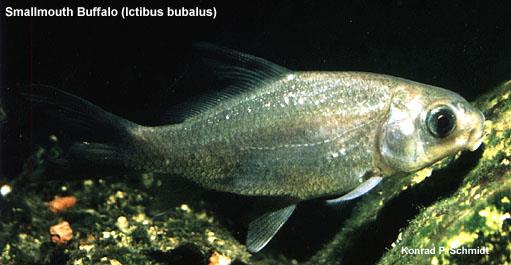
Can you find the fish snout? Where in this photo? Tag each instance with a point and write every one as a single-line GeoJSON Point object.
{"type": "Point", "coordinates": [476, 135]}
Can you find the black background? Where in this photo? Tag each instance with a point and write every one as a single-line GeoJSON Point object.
{"type": "Point", "coordinates": [138, 67]}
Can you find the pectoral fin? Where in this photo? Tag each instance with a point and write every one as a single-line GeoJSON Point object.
{"type": "Point", "coordinates": [262, 229]}
{"type": "Point", "coordinates": [362, 189]}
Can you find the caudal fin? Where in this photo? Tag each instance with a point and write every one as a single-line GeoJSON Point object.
{"type": "Point", "coordinates": [103, 136]}
{"type": "Point", "coordinates": [77, 113]}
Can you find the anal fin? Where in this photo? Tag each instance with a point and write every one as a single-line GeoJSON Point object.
{"type": "Point", "coordinates": [264, 228]}
{"type": "Point", "coordinates": [362, 189]}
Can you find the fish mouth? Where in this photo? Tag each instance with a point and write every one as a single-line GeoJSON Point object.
{"type": "Point", "coordinates": [475, 139]}
{"type": "Point", "coordinates": [476, 136]}
{"type": "Point", "coordinates": [475, 144]}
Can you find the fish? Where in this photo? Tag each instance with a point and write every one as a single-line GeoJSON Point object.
{"type": "Point", "coordinates": [289, 136]}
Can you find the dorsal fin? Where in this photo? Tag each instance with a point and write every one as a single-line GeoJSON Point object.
{"type": "Point", "coordinates": [194, 106]}
{"type": "Point", "coordinates": [239, 69]}
{"type": "Point", "coordinates": [241, 72]}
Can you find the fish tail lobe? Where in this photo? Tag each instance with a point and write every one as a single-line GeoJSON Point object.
{"type": "Point", "coordinates": [87, 120]}
{"type": "Point", "coordinates": [100, 136]}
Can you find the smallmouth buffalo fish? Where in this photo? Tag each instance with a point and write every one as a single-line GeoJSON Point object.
{"type": "Point", "coordinates": [282, 134]}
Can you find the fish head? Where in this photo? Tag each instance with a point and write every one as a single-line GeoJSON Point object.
{"type": "Point", "coordinates": [425, 124]}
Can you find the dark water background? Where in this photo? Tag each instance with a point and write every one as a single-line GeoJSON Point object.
{"type": "Point", "coordinates": [138, 67]}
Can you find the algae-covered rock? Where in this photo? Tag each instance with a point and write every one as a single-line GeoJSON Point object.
{"type": "Point", "coordinates": [458, 209]}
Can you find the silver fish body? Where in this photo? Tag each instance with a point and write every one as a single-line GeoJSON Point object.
{"type": "Point", "coordinates": [303, 135]}
{"type": "Point", "coordinates": [282, 134]}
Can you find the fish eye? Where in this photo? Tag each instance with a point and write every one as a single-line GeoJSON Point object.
{"type": "Point", "coordinates": [441, 121]}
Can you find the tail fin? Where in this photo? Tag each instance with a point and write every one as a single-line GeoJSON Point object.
{"type": "Point", "coordinates": [104, 136]}
{"type": "Point", "coordinates": [95, 158]}
{"type": "Point", "coordinates": [78, 113]}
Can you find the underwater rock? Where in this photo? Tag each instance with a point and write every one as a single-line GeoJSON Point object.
{"type": "Point", "coordinates": [60, 204]}
{"type": "Point", "coordinates": [219, 259]}
{"type": "Point", "coordinates": [464, 201]}
{"type": "Point", "coordinates": [61, 233]}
